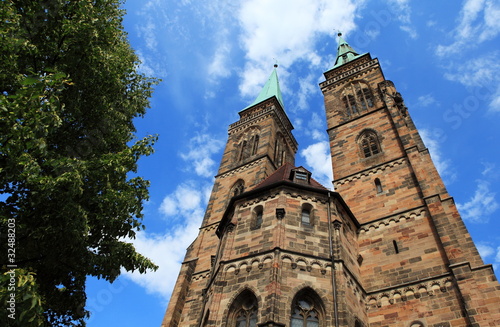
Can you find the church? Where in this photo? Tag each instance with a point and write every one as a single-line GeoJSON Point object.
{"type": "Point", "coordinates": [386, 248]}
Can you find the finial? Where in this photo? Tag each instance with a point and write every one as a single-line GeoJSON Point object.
{"type": "Point", "coordinates": [339, 34]}
{"type": "Point", "coordinates": [275, 63]}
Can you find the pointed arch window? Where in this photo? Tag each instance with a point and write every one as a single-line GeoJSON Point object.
{"type": "Point", "coordinates": [306, 310]}
{"type": "Point", "coordinates": [243, 310]}
{"type": "Point", "coordinates": [237, 188]}
{"type": "Point", "coordinates": [369, 144]}
{"type": "Point", "coordinates": [243, 150]}
{"type": "Point", "coordinates": [352, 104]}
{"type": "Point", "coordinates": [255, 144]}
{"type": "Point", "coordinates": [357, 97]}
{"type": "Point", "coordinates": [279, 151]}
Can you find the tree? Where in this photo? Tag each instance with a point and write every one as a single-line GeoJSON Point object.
{"type": "Point", "coordinates": [70, 89]}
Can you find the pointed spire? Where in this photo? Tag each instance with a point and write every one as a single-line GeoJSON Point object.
{"type": "Point", "coordinates": [270, 89]}
{"type": "Point", "coordinates": [345, 52]}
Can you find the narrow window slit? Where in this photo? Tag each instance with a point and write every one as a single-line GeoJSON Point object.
{"type": "Point", "coordinates": [396, 248]}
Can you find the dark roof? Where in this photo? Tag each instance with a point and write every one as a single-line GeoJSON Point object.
{"type": "Point", "coordinates": [285, 173]}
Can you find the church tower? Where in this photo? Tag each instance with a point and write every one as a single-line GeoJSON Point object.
{"type": "Point", "coordinates": [418, 265]}
{"type": "Point", "coordinates": [387, 248]}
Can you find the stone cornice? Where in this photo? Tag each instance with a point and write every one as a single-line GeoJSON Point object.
{"type": "Point", "coordinates": [412, 290]}
{"type": "Point", "coordinates": [396, 218]}
{"type": "Point", "coordinates": [368, 172]}
{"type": "Point", "coordinates": [355, 67]}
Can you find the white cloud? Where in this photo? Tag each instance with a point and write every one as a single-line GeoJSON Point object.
{"type": "Point", "coordinates": [307, 88]}
{"type": "Point", "coordinates": [482, 76]}
{"type": "Point", "coordinates": [200, 149]}
{"type": "Point", "coordinates": [432, 140]}
{"type": "Point", "coordinates": [485, 250]}
{"type": "Point", "coordinates": [185, 206]}
{"type": "Point", "coordinates": [482, 204]}
{"type": "Point", "coordinates": [479, 21]}
{"type": "Point", "coordinates": [318, 158]}
{"type": "Point", "coordinates": [286, 31]}
{"type": "Point", "coordinates": [402, 9]}
{"type": "Point", "coordinates": [489, 254]}
{"type": "Point", "coordinates": [219, 66]}
{"type": "Point", "coordinates": [425, 100]}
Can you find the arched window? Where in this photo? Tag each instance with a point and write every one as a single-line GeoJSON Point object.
{"type": "Point", "coordinates": [306, 309]}
{"type": "Point", "coordinates": [257, 217]}
{"type": "Point", "coordinates": [243, 310]}
{"type": "Point", "coordinates": [357, 97]}
{"type": "Point", "coordinates": [352, 104]}
{"type": "Point", "coordinates": [306, 214]}
{"type": "Point", "coordinates": [243, 150]}
{"type": "Point", "coordinates": [237, 188]}
{"type": "Point", "coordinates": [279, 150]}
{"type": "Point", "coordinates": [368, 97]}
{"type": "Point", "coordinates": [255, 144]}
{"type": "Point", "coordinates": [378, 185]}
{"type": "Point", "coordinates": [369, 144]}
{"type": "Point", "coordinates": [416, 324]}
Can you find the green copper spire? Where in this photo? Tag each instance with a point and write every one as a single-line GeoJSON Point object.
{"type": "Point", "coordinates": [345, 52]}
{"type": "Point", "coordinates": [270, 89]}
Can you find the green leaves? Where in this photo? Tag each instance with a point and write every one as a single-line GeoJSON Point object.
{"type": "Point", "coordinates": [69, 94]}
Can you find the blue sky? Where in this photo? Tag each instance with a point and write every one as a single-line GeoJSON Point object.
{"type": "Point", "coordinates": [214, 57]}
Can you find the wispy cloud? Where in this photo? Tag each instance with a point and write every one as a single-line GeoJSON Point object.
{"type": "Point", "coordinates": [482, 76]}
{"type": "Point", "coordinates": [479, 21]}
{"type": "Point", "coordinates": [432, 140]}
{"type": "Point", "coordinates": [425, 100]}
{"type": "Point", "coordinates": [198, 155]}
{"type": "Point", "coordinates": [490, 253]}
{"type": "Point", "coordinates": [483, 203]}
{"type": "Point", "coordinates": [402, 9]}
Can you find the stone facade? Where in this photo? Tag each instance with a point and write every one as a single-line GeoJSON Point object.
{"type": "Point", "coordinates": [388, 248]}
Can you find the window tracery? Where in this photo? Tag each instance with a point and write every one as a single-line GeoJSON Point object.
{"type": "Point", "coordinates": [369, 144]}
{"type": "Point", "coordinates": [248, 145]}
{"type": "Point", "coordinates": [243, 310]}
{"type": "Point", "coordinates": [237, 188]}
{"type": "Point", "coordinates": [357, 97]}
{"type": "Point", "coordinates": [279, 150]}
{"type": "Point", "coordinates": [306, 310]}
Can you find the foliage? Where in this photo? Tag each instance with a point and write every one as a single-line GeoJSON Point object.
{"type": "Point", "coordinates": [23, 294]}
{"type": "Point", "coordinates": [69, 91]}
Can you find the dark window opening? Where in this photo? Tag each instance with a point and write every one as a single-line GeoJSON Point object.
{"type": "Point", "coordinates": [378, 185]}
{"type": "Point", "coordinates": [396, 248]}
{"type": "Point", "coordinates": [243, 151]}
{"type": "Point", "coordinates": [255, 144]}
